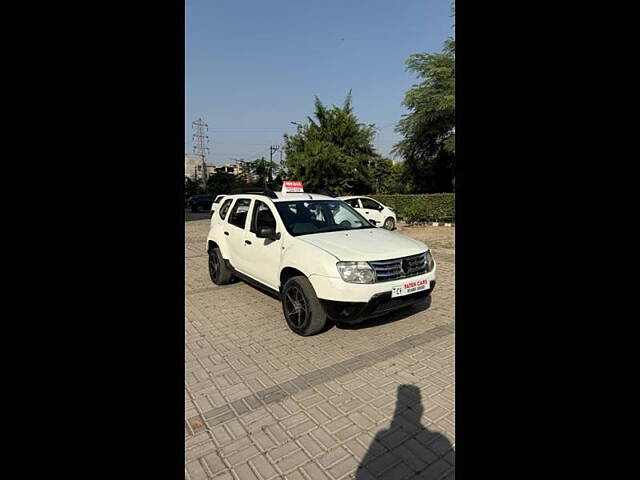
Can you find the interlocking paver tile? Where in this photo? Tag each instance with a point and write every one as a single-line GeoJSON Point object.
{"type": "Point", "coordinates": [332, 457]}
{"type": "Point", "coordinates": [195, 471]}
{"type": "Point", "coordinates": [283, 450]}
{"type": "Point", "coordinates": [291, 462]}
{"type": "Point", "coordinates": [313, 471]}
{"type": "Point", "coordinates": [214, 463]}
{"type": "Point", "coordinates": [309, 445]}
{"type": "Point", "coordinates": [436, 469]}
{"type": "Point", "coordinates": [343, 467]}
{"type": "Point", "coordinates": [244, 471]}
{"type": "Point", "coordinates": [262, 402]}
{"type": "Point", "coordinates": [263, 467]}
{"type": "Point", "coordinates": [323, 438]}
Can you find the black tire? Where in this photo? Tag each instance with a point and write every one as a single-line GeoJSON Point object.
{"type": "Point", "coordinates": [389, 224]}
{"type": "Point", "coordinates": [302, 310]}
{"type": "Point", "coordinates": [194, 208]}
{"type": "Point", "coordinates": [218, 271]}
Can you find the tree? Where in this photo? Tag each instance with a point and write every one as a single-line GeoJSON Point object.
{"type": "Point", "coordinates": [192, 187]}
{"type": "Point", "coordinates": [428, 146]}
{"type": "Point", "coordinates": [266, 172]}
{"type": "Point", "coordinates": [395, 182]}
{"type": "Point", "coordinates": [333, 150]}
{"type": "Point", "coordinates": [221, 183]}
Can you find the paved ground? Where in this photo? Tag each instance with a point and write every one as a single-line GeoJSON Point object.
{"type": "Point", "coordinates": [369, 402]}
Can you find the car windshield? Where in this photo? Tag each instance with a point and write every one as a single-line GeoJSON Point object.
{"type": "Point", "coordinates": [317, 216]}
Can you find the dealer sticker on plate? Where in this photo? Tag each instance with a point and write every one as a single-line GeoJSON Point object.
{"type": "Point", "coordinates": [409, 288]}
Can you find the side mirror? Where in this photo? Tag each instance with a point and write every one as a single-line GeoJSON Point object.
{"type": "Point", "coordinates": [268, 232]}
{"type": "Point", "coordinates": [373, 222]}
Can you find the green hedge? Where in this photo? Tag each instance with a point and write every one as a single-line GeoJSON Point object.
{"type": "Point", "coordinates": [431, 207]}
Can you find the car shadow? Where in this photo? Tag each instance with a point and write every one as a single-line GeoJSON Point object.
{"type": "Point", "coordinates": [407, 449]}
{"type": "Point", "coordinates": [394, 316]}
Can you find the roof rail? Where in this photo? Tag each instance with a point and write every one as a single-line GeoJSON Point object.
{"type": "Point", "coordinates": [250, 191]}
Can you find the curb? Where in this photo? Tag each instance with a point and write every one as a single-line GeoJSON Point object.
{"type": "Point", "coordinates": [429, 224]}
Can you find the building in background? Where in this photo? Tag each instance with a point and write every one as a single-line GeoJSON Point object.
{"type": "Point", "coordinates": [193, 167]}
{"type": "Point", "coordinates": [239, 169]}
{"type": "Point", "coordinates": [232, 169]}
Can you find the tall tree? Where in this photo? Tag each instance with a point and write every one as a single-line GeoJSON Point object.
{"type": "Point", "coordinates": [223, 183]}
{"type": "Point", "coordinates": [333, 150]}
{"type": "Point", "coordinates": [265, 172]}
{"type": "Point", "coordinates": [428, 146]}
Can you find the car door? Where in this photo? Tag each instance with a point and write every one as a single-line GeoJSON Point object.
{"type": "Point", "coordinates": [262, 254]}
{"type": "Point", "coordinates": [234, 231]}
{"type": "Point", "coordinates": [372, 210]}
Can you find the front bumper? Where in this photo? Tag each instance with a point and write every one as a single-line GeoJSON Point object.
{"type": "Point", "coordinates": [379, 304]}
{"type": "Point", "coordinates": [336, 289]}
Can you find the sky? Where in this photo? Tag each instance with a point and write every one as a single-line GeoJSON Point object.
{"type": "Point", "coordinates": [252, 66]}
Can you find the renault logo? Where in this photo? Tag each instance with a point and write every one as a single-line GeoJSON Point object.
{"type": "Point", "coordinates": [405, 266]}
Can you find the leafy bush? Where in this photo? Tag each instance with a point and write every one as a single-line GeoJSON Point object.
{"type": "Point", "coordinates": [431, 207]}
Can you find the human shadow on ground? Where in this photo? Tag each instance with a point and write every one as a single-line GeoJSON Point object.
{"type": "Point", "coordinates": [407, 449]}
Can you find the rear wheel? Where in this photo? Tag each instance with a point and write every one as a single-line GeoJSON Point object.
{"type": "Point", "coordinates": [302, 310]}
{"type": "Point", "coordinates": [218, 271]}
{"type": "Point", "coordinates": [389, 224]}
{"type": "Point", "coordinates": [194, 208]}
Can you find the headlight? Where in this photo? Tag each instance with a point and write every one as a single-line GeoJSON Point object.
{"type": "Point", "coordinates": [430, 261]}
{"type": "Point", "coordinates": [356, 272]}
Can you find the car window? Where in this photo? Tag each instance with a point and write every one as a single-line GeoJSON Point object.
{"type": "Point", "coordinates": [317, 216]}
{"type": "Point", "coordinates": [370, 204]}
{"type": "Point", "coordinates": [238, 215]}
{"type": "Point", "coordinates": [353, 202]}
{"type": "Point", "coordinates": [262, 217]}
{"type": "Point", "coordinates": [225, 208]}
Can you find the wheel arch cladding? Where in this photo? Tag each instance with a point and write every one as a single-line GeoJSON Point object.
{"type": "Point", "coordinates": [287, 272]}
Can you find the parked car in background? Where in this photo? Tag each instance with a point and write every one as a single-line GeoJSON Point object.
{"type": "Point", "coordinates": [200, 202]}
{"type": "Point", "coordinates": [372, 209]}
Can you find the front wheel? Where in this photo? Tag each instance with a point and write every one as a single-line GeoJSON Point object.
{"type": "Point", "coordinates": [302, 310]}
{"type": "Point", "coordinates": [389, 224]}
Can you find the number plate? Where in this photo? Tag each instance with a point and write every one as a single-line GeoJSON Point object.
{"type": "Point", "coordinates": [409, 288]}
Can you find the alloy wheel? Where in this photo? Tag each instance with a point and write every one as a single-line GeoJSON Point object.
{"type": "Point", "coordinates": [295, 306]}
{"type": "Point", "coordinates": [214, 266]}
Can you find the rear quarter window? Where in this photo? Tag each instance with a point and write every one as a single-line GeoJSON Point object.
{"type": "Point", "coordinates": [225, 208]}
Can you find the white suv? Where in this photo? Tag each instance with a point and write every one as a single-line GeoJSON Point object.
{"type": "Point", "coordinates": [319, 255]}
{"type": "Point", "coordinates": [372, 209]}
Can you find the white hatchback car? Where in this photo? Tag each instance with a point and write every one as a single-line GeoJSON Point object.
{"type": "Point", "coordinates": [319, 255]}
{"type": "Point", "coordinates": [372, 209]}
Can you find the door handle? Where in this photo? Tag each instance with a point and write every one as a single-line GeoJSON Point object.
{"type": "Point", "coordinates": [226, 233]}
{"type": "Point", "coordinates": [247, 242]}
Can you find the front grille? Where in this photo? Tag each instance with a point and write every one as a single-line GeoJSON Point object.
{"type": "Point", "coordinates": [400, 267]}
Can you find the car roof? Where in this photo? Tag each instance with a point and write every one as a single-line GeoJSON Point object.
{"type": "Point", "coordinates": [283, 197]}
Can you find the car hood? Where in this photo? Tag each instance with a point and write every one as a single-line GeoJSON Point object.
{"type": "Point", "coordinates": [365, 245]}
